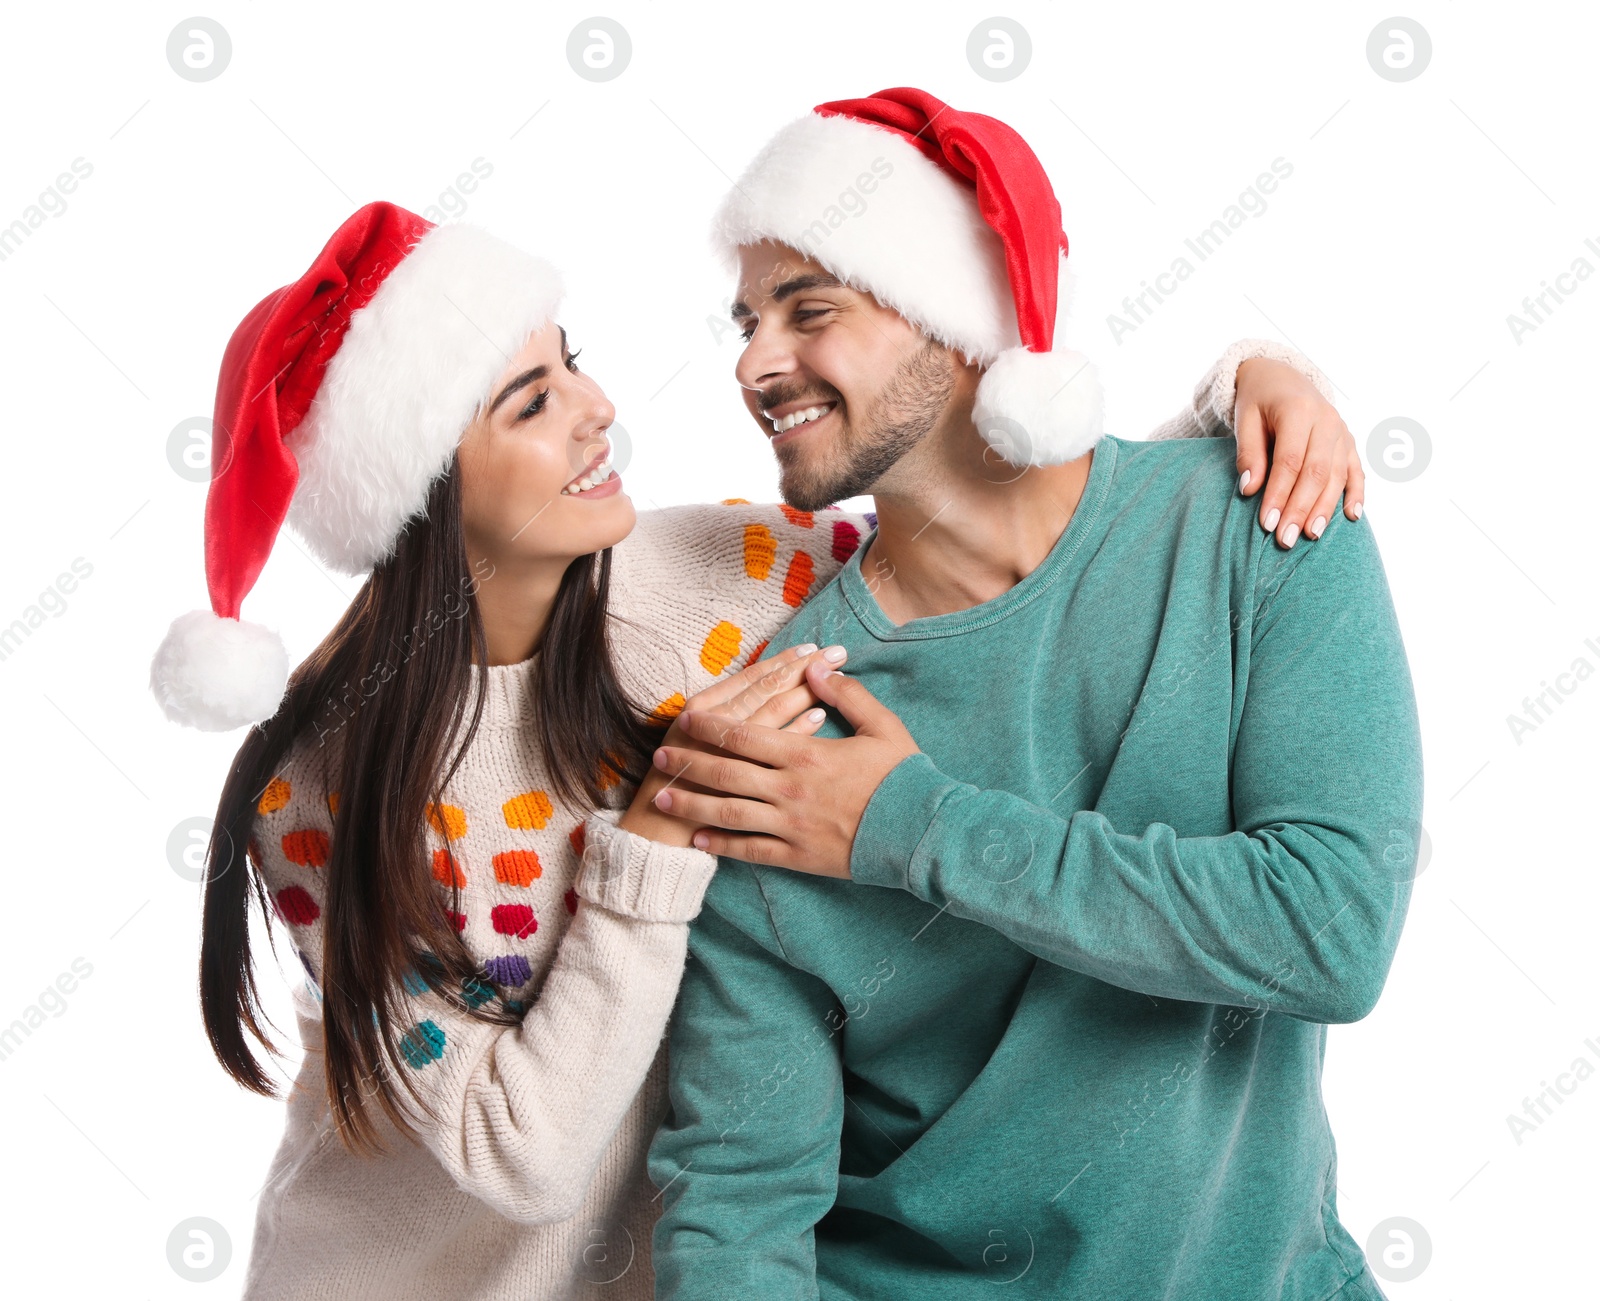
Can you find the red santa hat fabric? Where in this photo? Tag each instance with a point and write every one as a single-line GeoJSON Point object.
{"type": "Point", "coordinates": [341, 397]}
{"type": "Point", "coordinates": [948, 218]}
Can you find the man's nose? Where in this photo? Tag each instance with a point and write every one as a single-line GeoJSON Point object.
{"type": "Point", "coordinates": [763, 362]}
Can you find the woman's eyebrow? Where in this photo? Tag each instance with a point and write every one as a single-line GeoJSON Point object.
{"type": "Point", "coordinates": [522, 381]}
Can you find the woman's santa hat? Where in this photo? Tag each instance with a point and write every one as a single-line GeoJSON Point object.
{"type": "Point", "coordinates": [341, 399]}
{"type": "Point", "coordinates": [949, 219]}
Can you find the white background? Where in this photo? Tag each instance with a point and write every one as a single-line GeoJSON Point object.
{"type": "Point", "coordinates": [1418, 216]}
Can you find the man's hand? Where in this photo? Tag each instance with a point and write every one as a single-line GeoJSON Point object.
{"type": "Point", "coordinates": [781, 798]}
{"type": "Point", "coordinates": [772, 692]}
{"type": "Point", "coordinates": [1314, 455]}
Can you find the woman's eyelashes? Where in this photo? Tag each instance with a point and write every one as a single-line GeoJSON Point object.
{"type": "Point", "coordinates": [540, 398]}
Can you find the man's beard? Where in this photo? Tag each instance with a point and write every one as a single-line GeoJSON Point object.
{"type": "Point", "coordinates": [908, 406]}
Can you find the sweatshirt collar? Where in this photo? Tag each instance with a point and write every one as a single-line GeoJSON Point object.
{"type": "Point", "coordinates": [1085, 522]}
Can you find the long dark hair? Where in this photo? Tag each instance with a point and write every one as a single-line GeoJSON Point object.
{"type": "Point", "coordinates": [388, 688]}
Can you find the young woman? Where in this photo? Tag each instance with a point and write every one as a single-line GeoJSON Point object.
{"type": "Point", "coordinates": [445, 807]}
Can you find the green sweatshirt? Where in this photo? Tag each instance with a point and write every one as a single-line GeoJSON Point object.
{"type": "Point", "coordinates": [1063, 1029]}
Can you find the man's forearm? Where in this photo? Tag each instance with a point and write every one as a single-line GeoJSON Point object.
{"type": "Point", "coordinates": [1293, 919]}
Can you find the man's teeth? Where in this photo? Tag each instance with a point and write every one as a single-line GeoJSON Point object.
{"type": "Point", "coordinates": [599, 474]}
{"type": "Point", "coordinates": [799, 417]}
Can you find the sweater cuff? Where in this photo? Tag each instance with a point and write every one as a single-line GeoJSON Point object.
{"type": "Point", "coordinates": [638, 877]}
{"type": "Point", "coordinates": [896, 819]}
{"type": "Point", "coordinates": [1216, 395]}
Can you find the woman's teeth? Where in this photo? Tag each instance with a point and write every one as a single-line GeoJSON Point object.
{"type": "Point", "coordinates": [599, 474]}
{"type": "Point", "coordinates": [800, 417]}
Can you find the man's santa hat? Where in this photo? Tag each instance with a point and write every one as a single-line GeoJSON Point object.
{"type": "Point", "coordinates": [341, 399]}
{"type": "Point", "coordinates": [949, 219]}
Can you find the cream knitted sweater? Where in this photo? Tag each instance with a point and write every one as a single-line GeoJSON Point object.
{"type": "Point", "coordinates": [532, 1184]}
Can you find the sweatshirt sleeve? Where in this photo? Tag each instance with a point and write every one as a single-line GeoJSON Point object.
{"type": "Point", "coordinates": [523, 1114]}
{"type": "Point", "coordinates": [748, 1156]}
{"type": "Point", "coordinates": [1210, 413]}
{"type": "Point", "coordinates": [1299, 908]}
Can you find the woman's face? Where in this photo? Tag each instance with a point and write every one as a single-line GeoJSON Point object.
{"type": "Point", "coordinates": [524, 461]}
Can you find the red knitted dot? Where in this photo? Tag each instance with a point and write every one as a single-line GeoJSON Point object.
{"type": "Point", "coordinates": [296, 906]}
{"type": "Point", "coordinates": [571, 900]}
{"type": "Point", "coordinates": [458, 920]}
{"type": "Point", "coordinates": [756, 653]}
{"type": "Point", "coordinates": [514, 919]}
{"type": "Point", "coordinates": [308, 847]}
{"type": "Point", "coordinates": [576, 837]}
{"type": "Point", "coordinates": [846, 538]}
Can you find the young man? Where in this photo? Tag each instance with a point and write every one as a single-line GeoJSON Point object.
{"type": "Point", "coordinates": [1134, 786]}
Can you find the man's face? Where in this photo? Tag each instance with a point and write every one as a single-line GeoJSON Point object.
{"type": "Point", "coordinates": [873, 384]}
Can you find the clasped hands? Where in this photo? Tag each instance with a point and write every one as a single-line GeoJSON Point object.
{"type": "Point", "coordinates": [741, 772]}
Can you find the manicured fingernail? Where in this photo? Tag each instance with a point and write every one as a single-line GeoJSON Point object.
{"type": "Point", "coordinates": [661, 759]}
{"type": "Point", "coordinates": [664, 800]}
{"type": "Point", "coordinates": [806, 649]}
{"type": "Point", "coordinates": [834, 654]}
{"type": "Point", "coordinates": [1317, 525]}
{"type": "Point", "coordinates": [1271, 521]}
{"type": "Point", "coordinates": [1290, 534]}
{"type": "Point", "coordinates": [701, 840]}
{"type": "Point", "coordinates": [1244, 480]}
{"type": "Point", "coordinates": [1355, 511]}
{"type": "Point", "coordinates": [816, 715]}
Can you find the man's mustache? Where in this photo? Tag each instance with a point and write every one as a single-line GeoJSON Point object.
{"type": "Point", "coordinates": [767, 399]}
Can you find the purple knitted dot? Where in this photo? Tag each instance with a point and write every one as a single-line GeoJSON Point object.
{"type": "Point", "coordinates": [511, 971]}
{"type": "Point", "coordinates": [871, 518]}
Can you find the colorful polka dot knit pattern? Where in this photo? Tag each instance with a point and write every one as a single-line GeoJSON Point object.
{"type": "Point", "coordinates": [531, 1184]}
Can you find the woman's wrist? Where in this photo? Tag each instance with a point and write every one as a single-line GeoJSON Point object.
{"type": "Point", "coordinates": [643, 818]}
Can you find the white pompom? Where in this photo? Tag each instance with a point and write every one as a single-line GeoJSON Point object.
{"type": "Point", "coordinates": [217, 674]}
{"type": "Point", "coordinates": [1040, 408]}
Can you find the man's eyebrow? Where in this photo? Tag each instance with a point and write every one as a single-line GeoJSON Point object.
{"type": "Point", "coordinates": [522, 381]}
{"type": "Point", "coordinates": [816, 280]}
{"type": "Point", "coordinates": [789, 288]}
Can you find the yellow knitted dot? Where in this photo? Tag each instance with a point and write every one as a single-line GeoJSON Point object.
{"type": "Point", "coordinates": [760, 550]}
{"type": "Point", "coordinates": [734, 501]}
{"type": "Point", "coordinates": [531, 809]}
{"type": "Point", "coordinates": [274, 797]}
{"type": "Point", "coordinates": [449, 821]}
{"type": "Point", "coordinates": [719, 648]}
{"type": "Point", "coordinates": [671, 707]}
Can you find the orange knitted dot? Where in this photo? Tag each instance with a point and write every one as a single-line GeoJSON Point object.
{"type": "Point", "coordinates": [720, 646]}
{"type": "Point", "coordinates": [760, 550]}
{"type": "Point", "coordinates": [517, 867]}
{"type": "Point", "coordinates": [797, 582]}
{"type": "Point", "coordinates": [756, 653]}
{"type": "Point", "coordinates": [333, 803]}
{"type": "Point", "coordinates": [530, 809]}
{"type": "Point", "coordinates": [734, 501]}
{"type": "Point", "coordinates": [606, 775]}
{"type": "Point", "coordinates": [309, 847]}
{"type": "Point", "coordinates": [801, 517]}
{"type": "Point", "coordinates": [448, 820]}
{"type": "Point", "coordinates": [274, 797]}
{"type": "Point", "coordinates": [576, 838]}
{"type": "Point", "coordinates": [446, 869]}
{"type": "Point", "coordinates": [670, 708]}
